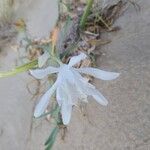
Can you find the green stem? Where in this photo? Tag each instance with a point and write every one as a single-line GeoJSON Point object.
{"type": "Point", "coordinates": [20, 69]}
{"type": "Point", "coordinates": [86, 13]}
{"type": "Point", "coordinates": [56, 59]}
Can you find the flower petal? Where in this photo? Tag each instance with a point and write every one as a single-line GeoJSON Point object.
{"type": "Point", "coordinates": [65, 101]}
{"type": "Point", "coordinates": [41, 73]}
{"type": "Point", "coordinates": [65, 73]}
{"type": "Point", "coordinates": [89, 89]}
{"type": "Point", "coordinates": [42, 105]}
{"type": "Point", "coordinates": [73, 92]}
{"type": "Point", "coordinates": [76, 59]}
{"type": "Point", "coordinates": [99, 97]}
{"type": "Point", "coordinates": [100, 74]}
{"type": "Point", "coordinates": [59, 96]}
{"type": "Point", "coordinates": [66, 112]}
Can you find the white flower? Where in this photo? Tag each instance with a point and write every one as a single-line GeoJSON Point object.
{"type": "Point", "coordinates": [70, 86]}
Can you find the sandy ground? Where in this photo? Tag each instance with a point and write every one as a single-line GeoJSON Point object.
{"type": "Point", "coordinates": [123, 125]}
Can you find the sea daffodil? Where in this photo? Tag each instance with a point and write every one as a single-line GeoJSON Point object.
{"type": "Point", "coordinates": [70, 86]}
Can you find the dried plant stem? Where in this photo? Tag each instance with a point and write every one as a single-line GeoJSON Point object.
{"type": "Point", "coordinates": [106, 25]}
{"type": "Point", "coordinates": [86, 13]}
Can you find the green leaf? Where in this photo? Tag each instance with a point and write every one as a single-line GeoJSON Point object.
{"type": "Point", "coordinates": [50, 141]}
{"type": "Point", "coordinates": [19, 69]}
{"type": "Point", "coordinates": [86, 13]}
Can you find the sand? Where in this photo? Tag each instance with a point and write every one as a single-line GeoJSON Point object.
{"type": "Point", "coordinates": [123, 125]}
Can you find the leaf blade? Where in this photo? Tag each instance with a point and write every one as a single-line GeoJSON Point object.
{"type": "Point", "coordinates": [50, 141]}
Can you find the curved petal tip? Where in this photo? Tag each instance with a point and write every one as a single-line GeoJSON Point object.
{"type": "Point", "coordinates": [36, 114]}
{"type": "Point", "coordinates": [76, 59]}
{"type": "Point", "coordinates": [100, 74]}
{"type": "Point", "coordinates": [115, 75]}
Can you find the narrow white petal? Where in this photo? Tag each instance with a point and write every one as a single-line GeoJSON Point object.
{"type": "Point", "coordinates": [89, 89]}
{"type": "Point", "coordinates": [41, 73]}
{"type": "Point", "coordinates": [79, 78]}
{"type": "Point", "coordinates": [42, 105]}
{"type": "Point", "coordinates": [59, 95]}
{"type": "Point", "coordinates": [65, 100]}
{"type": "Point", "coordinates": [76, 59]}
{"type": "Point", "coordinates": [65, 73]}
{"type": "Point", "coordinates": [66, 113]}
{"type": "Point", "coordinates": [73, 93]}
{"type": "Point", "coordinates": [97, 73]}
{"type": "Point", "coordinates": [99, 97]}
{"type": "Point", "coordinates": [43, 59]}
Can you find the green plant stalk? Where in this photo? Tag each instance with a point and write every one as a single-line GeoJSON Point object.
{"type": "Point", "coordinates": [20, 69]}
{"type": "Point", "coordinates": [51, 140]}
{"type": "Point", "coordinates": [86, 13]}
